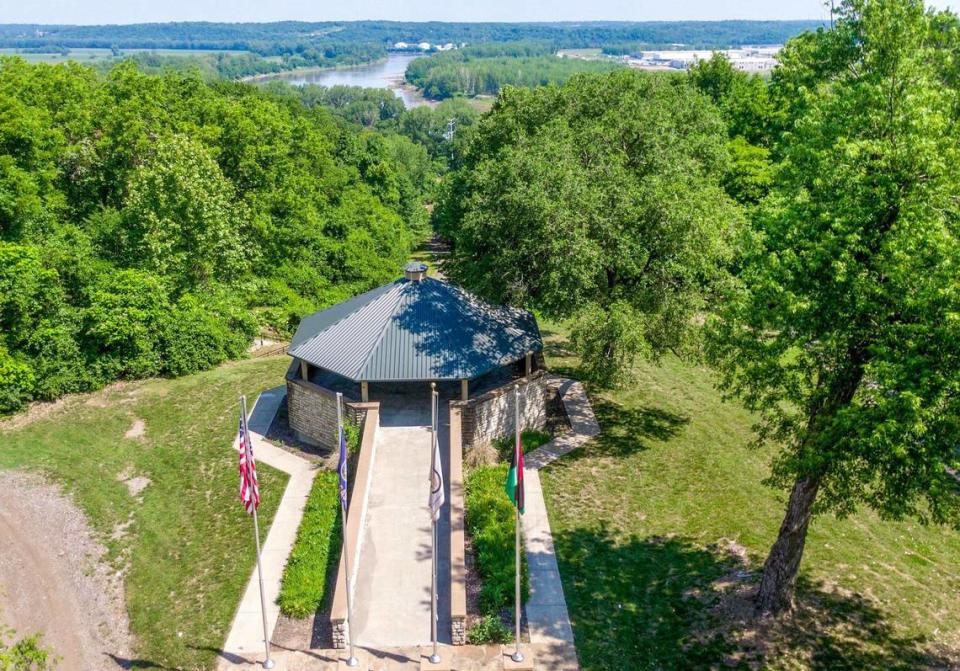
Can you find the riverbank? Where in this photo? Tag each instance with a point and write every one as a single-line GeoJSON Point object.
{"type": "Point", "coordinates": [312, 70]}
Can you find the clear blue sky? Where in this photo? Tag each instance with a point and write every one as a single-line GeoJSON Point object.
{"type": "Point", "coordinates": [136, 11]}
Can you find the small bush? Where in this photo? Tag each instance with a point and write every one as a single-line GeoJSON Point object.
{"type": "Point", "coordinates": [25, 654]}
{"type": "Point", "coordinates": [531, 439]}
{"type": "Point", "coordinates": [490, 629]}
{"type": "Point", "coordinates": [315, 552]}
{"type": "Point", "coordinates": [491, 519]}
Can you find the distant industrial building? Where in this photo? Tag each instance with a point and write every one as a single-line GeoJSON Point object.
{"type": "Point", "coordinates": [748, 59]}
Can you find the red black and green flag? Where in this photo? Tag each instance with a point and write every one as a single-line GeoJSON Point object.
{"type": "Point", "coordinates": [514, 485]}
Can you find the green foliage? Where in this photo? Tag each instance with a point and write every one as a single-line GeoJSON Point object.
{"type": "Point", "coordinates": [745, 104]}
{"type": "Point", "coordinates": [600, 200]}
{"type": "Point", "coordinates": [471, 72]}
{"type": "Point", "coordinates": [531, 439]}
{"type": "Point", "coordinates": [316, 551]}
{"type": "Point", "coordinates": [16, 381]}
{"type": "Point", "coordinates": [26, 654]}
{"type": "Point", "coordinates": [180, 218]}
{"type": "Point", "coordinates": [490, 518]}
{"type": "Point", "coordinates": [488, 629]}
{"type": "Point", "coordinates": [843, 332]}
{"type": "Point", "coordinates": [149, 225]}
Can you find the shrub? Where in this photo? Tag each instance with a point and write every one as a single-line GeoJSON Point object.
{"type": "Point", "coordinates": [16, 382]}
{"type": "Point", "coordinates": [25, 654]}
{"type": "Point", "coordinates": [490, 519]}
{"type": "Point", "coordinates": [315, 552]}
{"type": "Point", "coordinates": [531, 439]}
{"type": "Point", "coordinates": [489, 629]}
{"type": "Point", "coordinates": [203, 332]}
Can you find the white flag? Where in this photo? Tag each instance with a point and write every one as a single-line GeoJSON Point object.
{"type": "Point", "coordinates": [436, 476]}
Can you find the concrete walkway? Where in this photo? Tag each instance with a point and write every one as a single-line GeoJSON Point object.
{"type": "Point", "coordinates": [245, 640]}
{"type": "Point", "coordinates": [548, 621]}
{"type": "Point", "coordinates": [392, 591]}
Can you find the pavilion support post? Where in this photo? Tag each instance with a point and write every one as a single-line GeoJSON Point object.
{"type": "Point", "coordinates": [304, 370]}
{"type": "Point", "coordinates": [364, 391]}
{"type": "Point", "coordinates": [464, 390]}
{"type": "Point", "coordinates": [528, 363]}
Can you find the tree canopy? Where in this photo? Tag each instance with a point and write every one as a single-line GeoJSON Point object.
{"type": "Point", "coordinates": [598, 200]}
{"type": "Point", "coordinates": [843, 329]}
{"type": "Point", "coordinates": [150, 225]}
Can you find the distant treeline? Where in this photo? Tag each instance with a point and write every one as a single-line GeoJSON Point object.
{"type": "Point", "coordinates": [274, 39]}
{"type": "Point", "coordinates": [230, 65]}
{"type": "Point", "coordinates": [484, 69]}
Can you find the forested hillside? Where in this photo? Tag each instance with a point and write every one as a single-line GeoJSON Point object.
{"type": "Point", "coordinates": [151, 225]}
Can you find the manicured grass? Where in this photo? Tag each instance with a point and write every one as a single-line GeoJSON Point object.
{"type": "Point", "coordinates": [184, 542]}
{"type": "Point", "coordinates": [490, 519]}
{"type": "Point", "coordinates": [316, 551]}
{"type": "Point", "coordinates": [648, 520]}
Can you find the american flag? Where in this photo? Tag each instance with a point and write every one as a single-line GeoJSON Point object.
{"type": "Point", "coordinates": [249, 489]}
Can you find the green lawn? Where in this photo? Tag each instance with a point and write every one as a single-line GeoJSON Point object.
{"type": "Point", "coordinates": [188, 549]}
{"type": "Point", "coordinates": [648, 520]}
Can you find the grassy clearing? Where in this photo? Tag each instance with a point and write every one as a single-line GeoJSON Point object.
{"type": "Point", "coordinates": [184, 542]}
{"type": "Point", "coordinates": [316, 551]}
{"type": "Point", "coordinates": [665, 513]}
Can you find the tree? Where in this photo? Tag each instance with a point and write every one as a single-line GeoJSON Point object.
{"type": "Point", "coordinates": [600, 201]}
{"type": "Point", "coordinates": [180, 215]}
{"type": "Point", "coordinates": [844, 332]}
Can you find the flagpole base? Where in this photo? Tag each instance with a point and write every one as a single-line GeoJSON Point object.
{"type": "Point", "coordinates": [269, 664]}
{"type": "Point", "coordinates": [353, 661]}
{"type": "Point", "coordinates": [517, 656]}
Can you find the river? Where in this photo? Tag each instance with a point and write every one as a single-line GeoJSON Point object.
{"type": "Point", "coordinates": [387, 74]}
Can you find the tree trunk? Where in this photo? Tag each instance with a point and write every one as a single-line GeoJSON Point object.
{"type": "Point", "coordinates": [780, 569]}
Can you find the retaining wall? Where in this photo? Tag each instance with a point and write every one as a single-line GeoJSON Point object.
{"type": "Point", "coordinates": [458, 568]}
{"type": "Point", "coordinates": [490, 416]}
{"type": "Point", "coordinates": [356, 511]}
{"type": "Point", "coordinates": [312, 410]}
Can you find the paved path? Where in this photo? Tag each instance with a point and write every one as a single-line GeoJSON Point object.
{"type": "Point", "coordinates": [547, 618]}
{"type": "Point", "coordinates": [246, 633]}
{"type": "Point", "coordinates": [392, 592]}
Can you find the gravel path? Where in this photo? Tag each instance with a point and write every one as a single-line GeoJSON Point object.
{"type": "Point", "coordinates": [51, 580]}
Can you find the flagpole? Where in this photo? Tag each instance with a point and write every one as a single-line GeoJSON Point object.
{"type": "Point", "coordinates": [517, 656]}
{"type": "Point", "coordinates": [435, 657]}
{"type": "Point", "coordinates": [267, 663]}
{"type": "Point", "coordinates": [351, 660]}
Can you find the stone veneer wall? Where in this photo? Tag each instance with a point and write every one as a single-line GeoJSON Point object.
{"type": "Point", "coordinates": [312, 410]}
{"type": "Point", "coordinates": [360, 484]}
{"type": "Point", "coordinates": [490, 416]}
{"type": "Point", "coordinates": [458, 551]}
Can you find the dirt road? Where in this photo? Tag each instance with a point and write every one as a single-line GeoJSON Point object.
{"type": "Point", "coordinates": [51, 580]}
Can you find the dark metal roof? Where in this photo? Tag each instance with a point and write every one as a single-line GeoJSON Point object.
{"type": "Point", "coordinates": [415, 330]}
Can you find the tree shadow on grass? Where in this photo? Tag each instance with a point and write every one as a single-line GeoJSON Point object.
{"type": "Point", "coordinates": [625, 430]}
{"type": "Point", "coordinates": [668, 603]}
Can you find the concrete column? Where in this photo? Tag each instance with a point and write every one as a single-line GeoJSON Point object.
{"type": "Point", "coordinates": [364, 392]}
{"type": "Point", "coordinates": [528, 362]}
{"type": "Point", "coordinates": [304, 370]}
{"type": "Point", "coordinates": [464, 390]}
